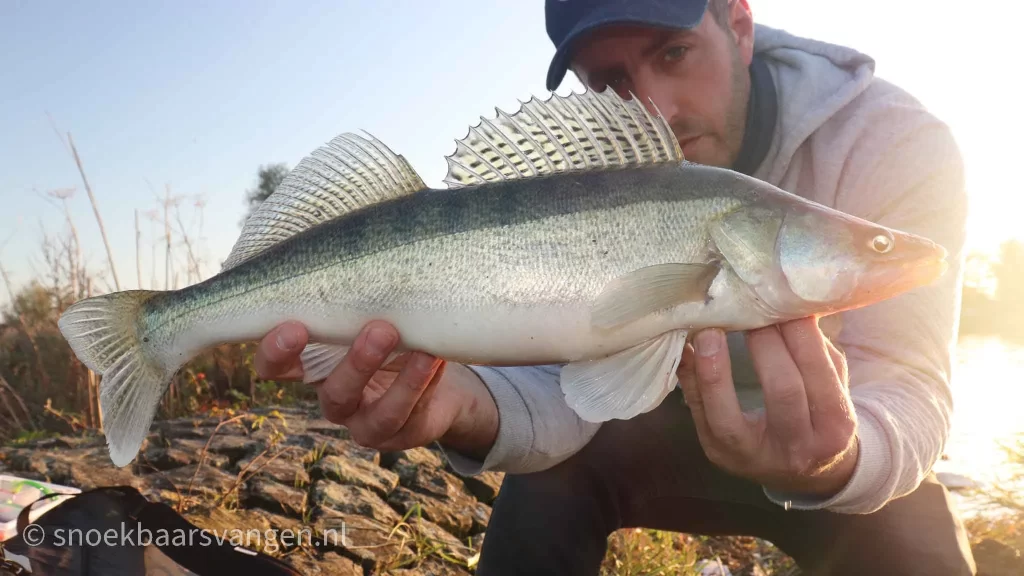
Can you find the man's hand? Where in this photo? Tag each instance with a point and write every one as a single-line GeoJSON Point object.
{"type": "Point", "coordinates": [413, 401]}
{"type": "Point", "coordinates": [804, 442]}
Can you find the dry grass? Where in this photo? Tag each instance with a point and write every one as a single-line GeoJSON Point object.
{"type": "Point", "coordinates": [636, 551]}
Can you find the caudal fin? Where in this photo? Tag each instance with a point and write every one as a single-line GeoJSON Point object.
{"type": "Point", "coordinates": [105, 334]}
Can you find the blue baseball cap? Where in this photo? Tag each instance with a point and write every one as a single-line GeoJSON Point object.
{"type": "Point", "coordinates": [567, 20]}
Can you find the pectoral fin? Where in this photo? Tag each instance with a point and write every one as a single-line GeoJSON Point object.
{"type": "Point", "coordinates": [651, 289]}
{"type": "Point", "coordinates": [627, 383]}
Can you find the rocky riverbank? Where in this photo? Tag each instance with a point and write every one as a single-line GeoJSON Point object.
{"type": "Point", "coordinates": [358, 511]}
{"type": "Point", "coordinates": [288, 469]}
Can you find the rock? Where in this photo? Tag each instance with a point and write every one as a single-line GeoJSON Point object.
{"type": "Point", "coordinates": [168, 458]}
{"type": "Point", "coordinates": [477, 541]}
{"type": "Point", "coordinates": [994, 558]}
{"type": "Point", "coordinates": [367, 540]}
{"type": "Point", "coordinates": [65, 442]}
{"type": "Point", "coordinates": [276, 497]}
{"type": "Point", "coordinates": [234, 447]}
{"type": "Point", "coordinates": [91, 467]}
{"type": "Point", "coordinates": [356, 500]}
{"type": "Point", "coordinates": [196, 428]}
{"type": "Point", "coordinates": [327, 428]}
{"type": "Point", "coordinates": [232, 525]}
{"type": "Point", "coordinates": [756, 570]}
{"type": "Point", "coordinates": [24, 460]}
{"type": "Point", "coordinates": [204, 482]}
{"type": "Point", "coordinates": [712, 568]}
{"type": "Point", "coordinates": [254, 529]}
{"type": "Point", "coordinates": [330, 564]}
{"type": "Point", "coordinates": [431, 567]}
{"type": "Point", "coordinates": [284, 466]}
{"type": "Point", "coordinates": [347, 449]}
{"type": "Point", "coordinates": [443, 498]}
{"type": "Point", "coordinates": [223, 520]}
{"type": "Point", "coordinates": [437, 536]}
{"type": "Point", "coordinates": [327, 446]}
{"type": "Point", "coordinates": [357, 472]}
{"type": "Point", "coordinates": [432, 481]}
{"type": "Point", "coordinates": [83, 468]}
{"type": "Point", "coordinates": [452, 515]}
{"type": "Point", "coordinates": [481, 515]}
{"type": "Point", "coordinates": [407, 462]}
{"type": "Point", "coordinates": [281, 523]}
{"type": "Point", "coordinates": [156, 489]}
{"type": "Point", "coordinates": [484, 486]}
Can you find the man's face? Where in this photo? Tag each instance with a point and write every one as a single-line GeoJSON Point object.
{"type": "Point", "coordinates": [698, 79]}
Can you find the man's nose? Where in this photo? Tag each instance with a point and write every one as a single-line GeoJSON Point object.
{"type": "Point", "coordinates": [656, 94]}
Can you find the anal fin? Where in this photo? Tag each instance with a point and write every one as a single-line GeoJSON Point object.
{"type": "Point", "coordinates": [627, 383]}
{"type": "Point", "coordinates": [319, 360]}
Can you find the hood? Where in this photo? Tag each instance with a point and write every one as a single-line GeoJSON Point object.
{"type": "Point", "coordinates": [813, 80]}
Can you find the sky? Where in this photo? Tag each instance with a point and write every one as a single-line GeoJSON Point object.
{"type": "Point", "coordinates": [192, 97]}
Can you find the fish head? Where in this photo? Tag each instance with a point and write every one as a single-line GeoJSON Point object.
{"type": "Point", "coordinates": [834, 261]}
{"type": "Point", "coordinates": [804, 259]}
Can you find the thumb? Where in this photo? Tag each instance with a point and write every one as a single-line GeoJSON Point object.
{"type": "Point", "coordinates": [278, 353]}
{"type": "Point", "coordinates": [688, 378]}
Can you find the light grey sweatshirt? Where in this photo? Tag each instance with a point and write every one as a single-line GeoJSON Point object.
{"type": "Point", "coordinates": [849, 140]}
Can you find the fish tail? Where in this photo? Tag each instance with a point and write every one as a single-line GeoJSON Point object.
{"type": "Point", "coordinates": [106, 334]}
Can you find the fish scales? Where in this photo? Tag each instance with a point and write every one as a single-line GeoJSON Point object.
{"type": "Point", "coordinates": [519, 245]}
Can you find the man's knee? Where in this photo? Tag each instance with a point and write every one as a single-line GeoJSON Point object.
{"type": "Point", "coordinates": [920, 533]}
{"type": "Point", "coordinates": [570, 486]}
{"type": "Point", "coordinates": [555, 521]}
{"type": "Point", "coordinates": [927, 526]}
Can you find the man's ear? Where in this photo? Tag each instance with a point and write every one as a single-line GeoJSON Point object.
{"type": "Point", "coordinates": [741, 25]}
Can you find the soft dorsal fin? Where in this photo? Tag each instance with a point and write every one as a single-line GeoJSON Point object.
{"type": "Point", "coordinates": [591, 130]}
{"type": "Point", "coordinates": [348, 173]}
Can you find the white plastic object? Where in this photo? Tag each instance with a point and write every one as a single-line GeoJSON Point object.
{"type": "Point", "coordinates": [16, 493]}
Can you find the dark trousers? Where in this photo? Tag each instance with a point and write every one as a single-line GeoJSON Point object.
{"type": "Point", "coordinates": [651, 472]}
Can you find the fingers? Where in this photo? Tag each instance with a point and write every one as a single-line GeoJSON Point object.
{"type": "Point", "coordinates": [341, 393]}
{"type": "Point", "coordinates": [785, 398]}
{"type": "Point", "coordinates": [839, 363]}
{"type": "Point", "coordinates": [825, 391]}
{"type": "Point", "coordinates": [277, 357]}
{"type": "Point", "coordinates": [706, 379]}
{"type": "Point", "coordinates": [385, 418]}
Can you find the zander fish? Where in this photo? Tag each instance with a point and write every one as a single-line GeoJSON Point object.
{"type": "Point", "coordinates": [571, 232]}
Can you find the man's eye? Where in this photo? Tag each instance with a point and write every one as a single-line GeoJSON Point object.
{"type": "Point", "coordinates": [674, 53]}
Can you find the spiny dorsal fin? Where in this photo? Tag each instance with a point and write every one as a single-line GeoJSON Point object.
{"type": "Point", "coordinates": [580, 131]}
{"type": "Point", "coordinates": [348, 173]}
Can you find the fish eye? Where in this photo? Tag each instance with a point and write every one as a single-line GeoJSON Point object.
{"type": "Point", "coordinates": [882, 243]}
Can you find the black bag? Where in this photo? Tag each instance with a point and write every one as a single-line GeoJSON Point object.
{"type": "Point", "coordinates": [139, 538]}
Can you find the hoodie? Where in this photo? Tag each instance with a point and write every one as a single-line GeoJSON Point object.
{"type": "Point", "coordinates": [844, 138]}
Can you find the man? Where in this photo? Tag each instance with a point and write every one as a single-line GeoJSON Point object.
{"type": "Point", "coordinates": [733, 451]}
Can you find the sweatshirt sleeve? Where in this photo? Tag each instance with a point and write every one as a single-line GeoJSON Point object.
{"type": "Point", "coordinates": [900, 351]}
{"type": "Point", "coordinates": [536, 428]}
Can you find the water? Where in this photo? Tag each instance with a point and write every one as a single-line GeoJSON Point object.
{"type": "Point", "coordinates": [988, 396]}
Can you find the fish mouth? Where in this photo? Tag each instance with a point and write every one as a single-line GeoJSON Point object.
{"type": "Point", "coordinates": [919, 263]}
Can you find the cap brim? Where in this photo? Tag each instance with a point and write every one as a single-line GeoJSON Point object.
{"type": "Point", "coordinates": [673, 17]}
